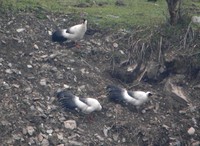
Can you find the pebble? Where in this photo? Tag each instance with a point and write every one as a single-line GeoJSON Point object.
{"type": "Point", "coordinates": [9, 71]}
{"type": "Point", "coordinates": [20, 29]}
{"type": "Point", "coordinates": [40, 137]}
{"type": "Point", "coordinates": [43, 82]}
{"type": "Point", "coordinates": [115, 45]}
{"type": "Point", "coordinates": [1, 59]}
{"type": "Point", "coordinates": [16, 136]}
{"type": "Point", "coordinates": [191, 131]}
{"type": "Point", "coordinates": [50, 131]}
{"type": "Point", "coordinates": [36, 46]}
{"type": "Point", "coordinates": [115, 137]}
{"type": "Point", "coordinates": [31, 141]}
{"type": "Point", "coordinates": [66, 86]}
{"type": "Point", "coordinates": [99, 137]}
{"type": "Point", "coordinates": [76, 143]}
{"type": "Point", "coordinates": [60, 136]}
{"type": "Point", "coordinates": [6, 85]}
{"type": "Point", "coordinates": [24, 131]}
{"type": "Point", "coordinates": [70, 124]}
{"type": "Point", "coordinates": [45, 142]}
{"type": "Point", "coordinates": [29, 66]}
{"type": "Point", "coordinates": [61, 145]}
{"type": "Point", "coordinates": [30, 130]}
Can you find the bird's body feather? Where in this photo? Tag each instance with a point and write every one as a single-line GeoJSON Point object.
{"type": "Point", "coordinates": [86, 105]}
{"type": "Point", "coordinates": [73, 33]}
{"type": "Point", "coordinates": [136, 98]}
{"type": "Point", "coordinates": [115, 93]}
{"type": "Point", "coordinates": [66, 100]}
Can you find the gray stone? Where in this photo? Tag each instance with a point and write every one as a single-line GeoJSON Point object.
{"type": "Point", "coordinates": [30, 130]}
{"type": "Point", "coordinates": [45, 142]}
{"type": "Point", "coordinates": [70, 124]}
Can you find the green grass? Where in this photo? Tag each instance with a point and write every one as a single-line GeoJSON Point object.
{"type": "Point", "coordinates": [136, 12]}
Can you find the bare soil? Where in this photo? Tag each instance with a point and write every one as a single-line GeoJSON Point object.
{"type": "Point", "coordinates": [33, 69]}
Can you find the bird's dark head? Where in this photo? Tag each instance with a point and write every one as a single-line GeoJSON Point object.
{"type": "Point", "coordinates": [149, 94]}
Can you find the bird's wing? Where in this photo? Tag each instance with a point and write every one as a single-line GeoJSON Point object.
{"type": "Point", "coordinates": [66, 100]}
{"type": "Point", "coordinates": [115, 93]}
{"type": "Point", "coordinates": [74, 29]}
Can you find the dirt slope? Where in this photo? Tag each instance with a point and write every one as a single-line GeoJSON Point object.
{"type": "Point", "coordinates": [33, 69]}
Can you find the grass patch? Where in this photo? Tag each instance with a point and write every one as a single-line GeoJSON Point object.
{"type": "Point", "coordinates": [136, 12]}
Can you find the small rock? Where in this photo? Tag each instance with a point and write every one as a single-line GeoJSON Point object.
{"type": "Point", "coordinates": [50, 32]}
{"type": "Point", "coordinates": [6, 85]}
{"type": "Point", "coordinates": [20, 29]}
{"type": "Point", "coordinates": [16, 85]}
{"type": "Point", "coordinates": [10, 64]}
{"type": "Point", "coordinates": [115, 137]}
{"type": "Point", "coordinates": [29, 66]}
{"type": "Point", "coordinates": [31, 141]}
{"type": "Point", "coordinates": [28, 89]}
{"type": "Point", "coordinates": [76, 143]}
{"type": "Point", "coordinates": [61, 145]}
{"type": "Point", "coordinates": [40, 137]}
{"type": "Point", "coordinates": [60, 136]}
{"type": "Point", "coordinates": [99, 137]}
{"type": "Point", "coordinates": [70, 124]}
{"type": "Point", "coordinates": [36, 46]}
{"type": "Point", "coordinates": [191, 131]}
{"type": "Point", "coordinates": [123, 139]}
{"type": "Point", "coordinates": [16, 136]}
{"type": "Point", "coordinates": [115, 45]}
{"type": "Point", "coordinates": [24, 131]}
{"type": "Point", "coordinates": [50, 131]}
{"type": "Point", "coordinates": [196, 19]}
{"type": "Point", "coordinates": [196, 143]}
{"type": "Point", "coordinates": [9, 71]}
{"type": "Point", "coordinates": [66, 86]}
{"type": "Point", "coordinates": [45, 142]}
{"type": "Point", "coordinates": [30, 130]}
{"type": "Point", "coordinates": [105, 130]}
{"type": "Point", "coordinates": [81, 88]}
{"type": "Point", "coordinates": [43, 82]}
{"type": "Point", "coordinates": [1, 59]}
{"type": "Point", "coordinates": [122, 52]}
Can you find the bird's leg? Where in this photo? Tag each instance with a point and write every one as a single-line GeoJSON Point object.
{"type": "Point", "coordinates": [77, 45]}
{"type": "Point", "coordinates": [90, 117]}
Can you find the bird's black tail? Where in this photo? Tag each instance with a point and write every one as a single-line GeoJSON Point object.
{"type": "Point", "coordinates": [115, 93]}
{"type": "Point", "coordinates": [58, 37]}
{"type": "Point", "coordinates": [66, 100]}
{"type": "Point", "coordinates": [113, 88]}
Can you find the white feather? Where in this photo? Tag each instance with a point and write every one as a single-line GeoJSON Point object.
{"type": "Point", "coordinates": [81, 105]}
{"type": "Point", "coordinates": [75, 32]}
{"type": "Point", "coordinates": [93, 105]}
{"type": "Point", "coordinates": [136, 98]}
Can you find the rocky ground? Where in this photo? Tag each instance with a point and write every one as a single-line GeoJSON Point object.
{"type": "Point", "coordinates": [33, 69]}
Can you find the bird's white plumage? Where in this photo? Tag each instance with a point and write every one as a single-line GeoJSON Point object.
{"type": "Point", "coordinates": [73, 33]}
{"type": "Point", "coordinates": [136, 98]}
{"type": "Point", "coordinates": [80, 105]}
{"type": "Point", "coordinates": [86, 105]}
{"type": "Point", "coordinates": [93, 105]}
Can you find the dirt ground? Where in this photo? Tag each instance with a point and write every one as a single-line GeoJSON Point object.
{"type": "Point", "coordinates": [33, 69]}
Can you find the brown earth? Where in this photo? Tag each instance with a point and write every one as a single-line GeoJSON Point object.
{"type": "Point", "coordinates": [33, 69]}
